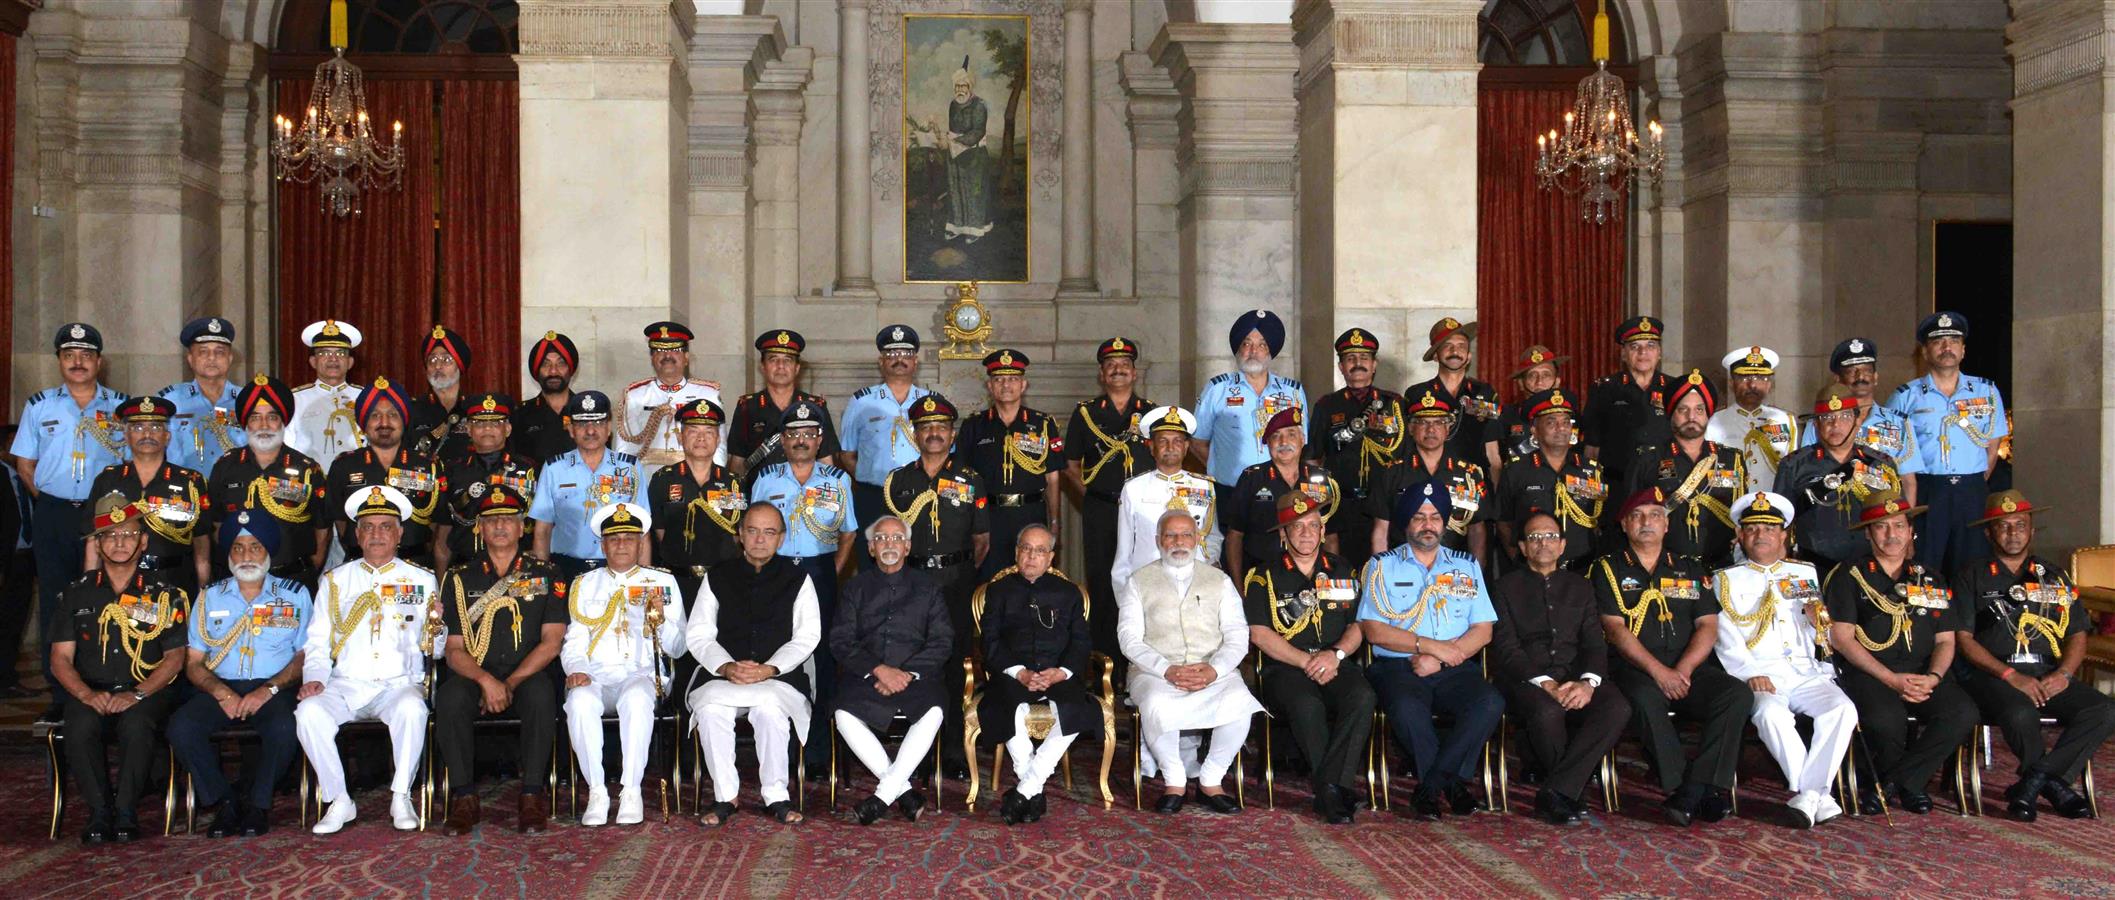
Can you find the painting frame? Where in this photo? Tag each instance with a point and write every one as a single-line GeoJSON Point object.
{"type": "Point", "coordinates": [945, 239]}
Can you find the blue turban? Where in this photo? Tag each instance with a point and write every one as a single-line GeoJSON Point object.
{"type": "Point", "coordinates": [1263, 320]}
{"type": "Point", "coordinates": [1408, 502]}
{"type": "Point", "coordinates": [255, 523]}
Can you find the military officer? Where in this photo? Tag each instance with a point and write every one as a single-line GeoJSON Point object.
{"type": "Point", "coordinates": [1763, 433]}
{"type": "Point", "coordinates": [204, 425]}
{"type": "Point", "coordinates": [891, 637]}
{"type": "Point", "coordinates": [245, 662]}
{"type": "Point", "coordinates": [1699, 478]}
{"type": "Point", "coordinates": [367, 656]}
{"type": "Point", "coordinates": [2022, 633]}
{"type": "Point", "coordinates": [117, 643]}
{"type": "Point", "coordinates": [1251, 509]}
{"type": "Point", "coordinates": [1513, 432]}
{"type": "Point", "coordinates": [627, 620]}
{"type": "Point", "coordinates": [1557, 478]}
{"type": "Point", "coordinates": [327, 425]}
{"type": "Point", "coordinates": [1429, 461]}
{"type": "Point", "coordinates": [1105, 446]}
{"type": "Point", "coordinates": [575, 484]}
{"type": "Point", "coordinates": [753, 435]}
{"type": "Point", "coordinates": [1357, 434]}
{"type": "Point", "coordinates": [67, 436]}
{"type": "Point", "coordinates": [1475, 403]}
{"type": "Point", "coordinates": [646, 417]}
{"type": "Point", "coordinates": [538, 424]}
{"type": "Point", "coordinates": [1829, 481]}
{"type": "Point", "coordinates": [486, 462]}
{"type": "Point", "coordinates": [1015, 448]}
{"type": "Point", "coordinates": [439, 421]}
{"type": "Point", "coordinates": [1877, 428]}
{"type": "Point", "coordinates": [1234, 407]}
{"type": "Point", "coordinates": [695, 503]}
{"type": "Point", "coordinates": [505, 615]}
{"type": "Point", "coordinates": [272, 479]}
{"type": "Point", "coordinates": [1627, 411]}
{"type": "Point", "coordinates": [1037, 649]}
{"type": "Point", "coordinates": [171, 498]}
{"type": "Point", "coordinates": [815, 498]}
{"type": "Point", "coordinates": [1887, 592]}
{"type": "Point", "coordinates": [1959, 421]}
{"type": "Point", "coordinates": [1145, 498]}
{"type": "Point", "coordinates": [877, 422]}
{"type": "Point", "coordinates": [384, 460]}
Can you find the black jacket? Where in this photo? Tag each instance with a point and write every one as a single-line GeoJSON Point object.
{"type": "Point", "coordinates": [1547, 625]}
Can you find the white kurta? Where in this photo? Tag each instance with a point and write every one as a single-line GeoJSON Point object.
{"type": "Point", "coordinates": [625, 648]}
{"type": "Point", "coordinates": [1163, 707]}
{"type": "Point", "coordinates": [323, 424]}
{"type": "Point", "coordinates": [703, 637]}
{"type": "Point", "coordinates": [1144, 499]}
{"type": "Point", "coordinates": [663, 445]}
{"type": "Point", "coordinates": [1764, 435]}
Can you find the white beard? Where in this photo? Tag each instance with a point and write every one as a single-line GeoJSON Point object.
{"type": "Point", "coordinates": [248, 573]}
{"type": "Point", "coordinates": [443, 384]}
{"type": "Point", "coordinates": [1254, 366]}
{"type": "Point", "coordinates": [267, 441]}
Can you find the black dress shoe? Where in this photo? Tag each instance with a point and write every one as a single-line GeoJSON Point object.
{"type": "Point", "coordinates": [1913, 801]}
{"type": "Point", "coordinates": [870, 810]}
{"type": "Point", "coordinates": [1223, 804]}
{"type": "Point", "coordinates": [1037, 806]}
{"type": "Point", "coordinates": [1343, 804]}
{"type": "Point", "coordinates": [256, 822]}
{"type": "Point", "coordinates": [98, 831]}
{"type": "Point", "coordinates": [1169, 804]}
{"type": "Point", "coordinates": [126, 830]}
{"type": "Point", "coordinates": [1869, 801]}
{"type": "Point", "coordinates": [910, 805]}
{"type": "Point", "coordinates": [1715, 806]}
{"type": "Point", "coordinates": [1461, 801]}
{"type": "Point", "coordinates": [2021, 797]}
{"type": "Point", "coordinates": [1551, 806]}
{"type": "Point", "coordinates": [1427, 804]}
{"type": "Point", "coordinates": [227, 819]}
{"type": "Point", "coordinates": [1683, 805]}
{"type": "Point", "coordinates": [2067, 802]}
{"type": "Point", "coordinates": [1012, 807]}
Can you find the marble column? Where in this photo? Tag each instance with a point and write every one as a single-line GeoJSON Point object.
{"type": "Point", "coordinates": [1152, 111]}
{"type": "Point", "coordinates": [1387, 96]}
{"type": "Point", "coordinates": [1078, 150]}
{"type": "Point", "coordinates": [1236, 213]}
{"type": "Point", "coordinates": [855, 197]}
{"type": "Point", "coordinates": [2064, 412]}
{"type": "Point", "coordinates": [599, 84]}
{"type": "Point", "coordinates": [728, 56]}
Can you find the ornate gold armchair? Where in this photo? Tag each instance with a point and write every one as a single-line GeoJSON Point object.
{"type": "Point", "coordinates": [1039, 720]}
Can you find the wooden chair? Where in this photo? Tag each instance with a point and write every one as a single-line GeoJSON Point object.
{"type": "Point", "coordinates": [1270, 789]}
{"type": "Point", "coordinates": [974, 677]}
{"type": "Point", "coordinates": [311, 805]}
{"type": "Point", "coordinates": [1976, 764]}
{"type": "Point", "coordinates": [1962, 757]}
{"type": "Point", "coordinates": [1606, 771]}
{"type": "Point", "coordinates": [671, 710]}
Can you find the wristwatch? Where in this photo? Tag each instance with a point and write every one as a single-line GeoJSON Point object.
{"type": "Point", "coordinates": [139, 696]}
{"type": "Point", "coordinates": [272, 687]}
{"type": "Point", "coordinates": [1339, 652]}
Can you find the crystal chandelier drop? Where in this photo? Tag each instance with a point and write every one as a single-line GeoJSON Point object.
{"type": "Point", "coordinates": [1599, 152]}
{"type": "Point", "coordinates": [334, 143]}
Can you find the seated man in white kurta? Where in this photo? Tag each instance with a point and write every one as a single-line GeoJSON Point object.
{"type": "Point", "coordinates": [754, 625]}
{"type": "Point", "coordinates": [1182, 626]}
{"type": "Point", "coordinates": [619, 614]}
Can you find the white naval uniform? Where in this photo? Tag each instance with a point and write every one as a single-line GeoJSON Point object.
{"type": "Point", "coordinates": [1753, 430]}
{"type": "Point", "coordinates": [1166, 617]}
{"type": "Point", "coordinates": [620, 666]}
{"type": "Point", "coordinates": [1804, 683]}
{"type": "Point", "coordinates": [379, 672]}
{"type": "Point", "coordinates": [1147, 497]}
{"type": "Point", "coordinates": [664, 447]}
{"type": "Point", "coordinates": [323, 424]}
{"type": "Point", "coordinates": [772, 705]}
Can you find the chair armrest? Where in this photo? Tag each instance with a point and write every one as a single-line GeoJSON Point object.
{"type": "Point", "coordinates": [2097, 599]}
{"type": "Point", "coordinates": [1101, 661]}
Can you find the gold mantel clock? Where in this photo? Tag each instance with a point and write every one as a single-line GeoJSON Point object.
{"type": "Point", "coordinates": [966, 324]}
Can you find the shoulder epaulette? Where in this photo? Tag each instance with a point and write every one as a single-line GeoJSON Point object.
{"type": "Point", "coordinates": [305, 386]}
{"type": "Point", "coordinates": [1223, 378]}
{"type": "Point", "coordinates": [828, 469]}
{"type": "Point", "coordinates": [171, 389]}
{"type": "Point", "coordinates": [289, 584]}
{"type": "Point", "coordinates": [1904, 386]}
{"type": "Point", "coordinates": [638, 384]}
{"type": "Point", "coordinates": [867, 391]}
{"type": "Point", "coordinates": [711, 384]}
{"type": "Point", "coordinates": [621, 456]}
{"type": "Point", "coordinates": [414, 566]}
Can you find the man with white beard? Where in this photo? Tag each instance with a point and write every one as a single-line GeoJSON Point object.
{"type": "Point", "coordinates": [1183, 628]}
{"type": "Point", "coordinates": [1234, 406]}
{"type": "Point", "coordinates": [269, 478]}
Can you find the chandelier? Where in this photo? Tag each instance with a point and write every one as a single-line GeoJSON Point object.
{"type": "Point", "coordinates": [334, 143]}
{"type": "Point", "coordinates": [1598, 154]}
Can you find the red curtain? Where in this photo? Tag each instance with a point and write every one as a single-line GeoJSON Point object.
{"type": "Point", "coordinates": [7, 210]}
{"type": "Point", "coordinates": [480, 223]}
{"type": "Point", "coordinates": [1543, 276]}
{"type": "Point", "coordinates": [374, 269]}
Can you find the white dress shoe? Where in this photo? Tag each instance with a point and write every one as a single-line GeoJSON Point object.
{"type": "Point", "coordinates": [598, 807]}
{"type": "Point", "coordinates": [340, 812]}
{"type": "Point", "coordinates": [401, 813]}
{"type": "Point", "coordinates": [631, 807]}
{"type": "Point", "coordinates": [1827, 809]}
{"type": "Point", "coordinates": [1807, 804]}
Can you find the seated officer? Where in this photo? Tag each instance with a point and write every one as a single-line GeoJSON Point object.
{"type": "Point", "coordinates": [2023, 635]}
{"type": "Point", "coordinates": [246, 634]}
{"type": "Point", "coordinates": [116, 644]}
{"type": "Point", "coordinates": [625, 618]}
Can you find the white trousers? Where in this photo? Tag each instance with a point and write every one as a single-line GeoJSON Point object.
{"type": "Point", "coordinates": [894, 775]}
{"type": "Point", "coordinates": [1225, 744]}
{"type": "Point", "coordinates": [773, 729]}
{"type": "Point", "coordinates": [1033, 765]}
{"type": "Point", "coordinates": [400, 707]}
{"type": "Point", "coordinates": [1192, 746]}
{"type": "Point", "coordinates": [1807, 767]}
{"type": "Point", "coordinates": [584, 706]}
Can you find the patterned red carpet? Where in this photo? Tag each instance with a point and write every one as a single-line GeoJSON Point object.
{"type": "Point", "coordinates": [1078, 850]}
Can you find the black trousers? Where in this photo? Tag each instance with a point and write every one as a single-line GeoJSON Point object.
{"type": "Point", "coordinates": [191, 731]}
{"type": "Point", "coordinates": [1329, 722]}
{"type": "Point", "coordinates": [1943, 721]}
{"type": "Point", "coordinates": [1567, 744]}
{"type": "Point", "coordinates": [456, 709]}
{"type": "Point", "coordinates": [1720, 702]}
{"type": "Point", "coordinates": [823, 571]}
{"type": "Point", "coordinates": [1098, 521]}
{"type": "Point", "coordinates": [870, 503]}
{"type": "Point", "coordinates": [957, 583]}
{"type": "Point", "coordinates": [135, 731]}
{"type": "Point", "coordinates": [1944, 538]}
{"type": "Point", "coordinates": [55, 530]}
{"type": "Point", "coordinates": [2087, 715]}
{"type": "Point", "coordinates": [1410, 700]}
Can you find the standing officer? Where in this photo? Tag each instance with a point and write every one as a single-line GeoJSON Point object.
{"type": "Point", "coordinates": [1235, 406]}
{"type": "Point", "coordinates": [1013, 447]}
{"type": "Point", "coordinates": [943, 502]}
{"type": "Point", "coordinates": [1699, 479]}
{"type": "Point", "coordinates": [272, 479]}
{"type": "Point", "coordinates": [1627, 410]}
{"type": "Point", "coordinates": [1958, 420]}
{"type": "Point", "coordinates": [1876, 427]}
{"type": "Point", "coordinates": [753, 435]}
{"type": "Point", "coordinates": [171, 498]}
{"type": "Point", "coordinates": [1475, 403]}
{"type": "Point", "coordinates": [1513, 432]}
{"type": "Point", "coordinates": [1168, 487]}
{"type": "Point", "coordinates": [577, 483]}
{"type": "Point", "coordinates": [439, 421]}
{"type": "Point", "coordinates": [204, 425]}
{"type": "Point", "coordinates": [1763, 433]}
{"type": "Point", "coordinates": [1105, 446]}
{"type": "Point", "coordinates": [1428, 461]}
{"type": "Point", "coordinates": [386, 461]}
{"type": "Point", "coordinates": [327, 425]}
{"type": "Point", "coordinates": [485, 463]}
{"type": "Point", "coordinates": [1251, 510]}
{"type": "Point", "coordinates": [695, 504]}
{"type": "Point", "coordinates": [1557, 477]}
{"type": "Point", "coordinates": [877, 423]}
{"type": "Point", "coordinates": [815, 499]}
{"type": "Point", "coordinates": [649, 406]}
{"type": "Point", "coordinates": [1828, 482]}
{"type": "Point", "coordinates": [67, 436]}
{"type": "Point", "coordinates": [538, 424]}
{"type": "Point", "coordinates": [1357, 433]}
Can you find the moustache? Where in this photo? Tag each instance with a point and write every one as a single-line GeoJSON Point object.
{"type": "Point", "coordinates": [248, 573]}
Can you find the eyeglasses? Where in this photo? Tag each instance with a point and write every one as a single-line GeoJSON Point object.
{"type": "Point", "coordinates": [1543, 537]}
{"type": "Point", "coordinates": [333, 353]}
{"type": "Point", "coordinates": [889, 538]}
{"type": "Point", "coordinates": [1840, 416]}
{"type": "Point", "coordinates": [116, 536]}
{"type": "Point", "coordinates": [753, 531]}
{"type": "Point", "coordinates": [898, 354]}
{"type": "Point", "coordinates": [1033, 550]}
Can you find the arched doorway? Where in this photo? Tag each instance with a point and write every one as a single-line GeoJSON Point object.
{"type": "Point", "coordinates": [444, 246]}
{"type": "Point", "coordinates": [1543, 275]}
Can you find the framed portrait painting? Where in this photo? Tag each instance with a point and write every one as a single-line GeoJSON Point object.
{"type": "Point", "coordinates": [967, 124]}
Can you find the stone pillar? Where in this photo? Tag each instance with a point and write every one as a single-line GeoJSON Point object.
{"type": "Point", "coordinates": [604, 99]}
{"type": "Point", "coordinates": [779, 104]}
{"type": "Point", "coordinates": [855, 197]}
{"type": "Point", "coordinates": [728, 55]}
{"type": "Point", "coordinates": [2064, 413]}
{"type": "Point", "coordinates": [1078, 150]}
{"type": "Point", "coordinates": [1152, 110]}
{"type": "Point", "coordinates": [1387, 100]}
{"type": "Point", "coordinates": [1236, 213]}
